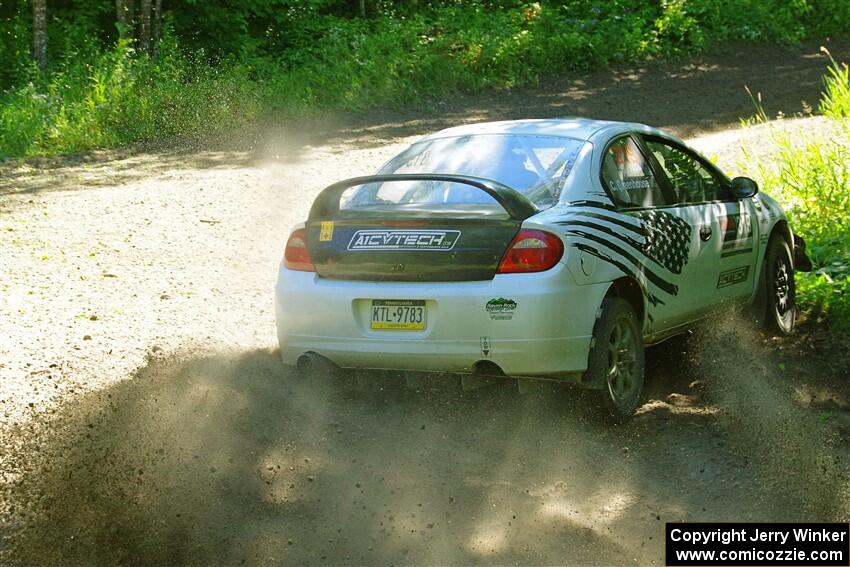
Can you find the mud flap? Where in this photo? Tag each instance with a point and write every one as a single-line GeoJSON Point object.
{"type": "Point", "coordinates": [587, 380]}
{"type": "Point", "coordinates": [758, 308]}
{"type": "Point", "coordinates": [801, 260]}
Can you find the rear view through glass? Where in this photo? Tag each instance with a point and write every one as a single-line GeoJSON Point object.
{"type": "Point", "coordinates": [536, 166]}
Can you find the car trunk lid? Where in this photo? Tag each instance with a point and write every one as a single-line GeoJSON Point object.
{"type": "Point", "coordinates": [414, 242]}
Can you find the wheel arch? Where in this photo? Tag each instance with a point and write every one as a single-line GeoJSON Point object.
{"type": "Point", "coordinates": [782, 228]}
{"type": "Point", "coordinates": [629, 289]}
{"type": "Point", "coordinates": [763, 310]}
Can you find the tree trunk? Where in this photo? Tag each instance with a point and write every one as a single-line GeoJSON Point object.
{"type": "Point", "coordinates": [362, 6]}
{"type": "Point", "coordinates": [39, 33]}
{"type": "Point", "coordinates": [145, 26]}
{"type": "Point", "coordinates": [124, 15]}
{"type": "Point", "coordinates": [156, 26]}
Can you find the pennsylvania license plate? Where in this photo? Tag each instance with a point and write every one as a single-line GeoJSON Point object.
{"type": "Point", "coordinates": [398, 314]}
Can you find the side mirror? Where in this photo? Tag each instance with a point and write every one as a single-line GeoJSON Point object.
{"type": "Point", "coordinates": [744, 187]}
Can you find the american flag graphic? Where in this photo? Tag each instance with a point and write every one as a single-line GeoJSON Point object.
{"type": "Point", "coordinates": [657, 235]}
{"type": "Point", "coordinates": [667, 239]}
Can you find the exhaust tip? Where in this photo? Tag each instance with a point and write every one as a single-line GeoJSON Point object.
{"type": "Point", "coordinates": [487, 368]}
{"type": "Point", "coordinates": [310, 364]}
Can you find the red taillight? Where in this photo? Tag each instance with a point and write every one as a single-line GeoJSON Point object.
{"type": "Point", "coordinates": [531, 251]}
{"type": "Point", "coordinates": [296, 256]}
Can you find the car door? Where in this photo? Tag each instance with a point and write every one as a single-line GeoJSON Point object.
{"type": "Point", "coordinates": [672, 255]}
{"type": "Point", "coordinates": [726, 228]}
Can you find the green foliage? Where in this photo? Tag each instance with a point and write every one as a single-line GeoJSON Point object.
{"type": "Point", "coordinates": [677, 27]}
{"type": "Point", "coordinates": [783, 21]}
{"type": "Point", "coordinates": [836, 97]}
{"type": "Point", "coordinates": [827, 295]}
{"type": "Point", "coordinates": [810, 177]}
{"type": "Point", "coordinates": [224, 63]}
{"type": "Point", "coordinates": [120, 98]}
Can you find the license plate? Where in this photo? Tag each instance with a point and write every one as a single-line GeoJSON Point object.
{"type": "Point", "coordinates": [398, 314]}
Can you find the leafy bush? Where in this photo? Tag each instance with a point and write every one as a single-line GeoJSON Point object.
{"type": "Point", "coordinates": [120, 98]}
{"type": "Point", "coordinates": [293, 57]}
{"type": "Point", "coordinates": [836, 97]}
{"type": "Point", "coordinates": [810, 177]}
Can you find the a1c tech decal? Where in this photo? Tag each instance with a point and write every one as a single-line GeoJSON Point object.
{"type": "Point", "coordinates": [403, 240]}
{"type": "Point", "coordinates": [733, 276]}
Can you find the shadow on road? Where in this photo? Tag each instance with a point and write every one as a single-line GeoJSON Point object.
{"type": "Point", "coordinates": [686, 96]}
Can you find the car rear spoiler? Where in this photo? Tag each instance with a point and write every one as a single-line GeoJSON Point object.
{"type": "Point", "coordinates": [517, 205]}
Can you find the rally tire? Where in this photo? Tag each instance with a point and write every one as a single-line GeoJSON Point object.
{"type": "Point", "coordinates": [778, 288]}
{"type": "Point", "coordinates": [616, 359]}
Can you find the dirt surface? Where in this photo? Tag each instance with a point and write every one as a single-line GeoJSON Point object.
{"type": "Point", "coordinates": [145, 417]}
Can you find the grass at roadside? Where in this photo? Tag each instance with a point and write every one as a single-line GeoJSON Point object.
{"type": "Point", "coordinates": [810, 176]}
{"type": "Point", "coordinates": [95, 96]}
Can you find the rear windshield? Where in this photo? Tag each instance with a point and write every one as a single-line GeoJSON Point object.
{"type": "Point", "coordinates": [537, 166]}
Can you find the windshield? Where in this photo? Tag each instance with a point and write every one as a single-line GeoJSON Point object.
{"type": "Point", "coordinates": [534, 165]}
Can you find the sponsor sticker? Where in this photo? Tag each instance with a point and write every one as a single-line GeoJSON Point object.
{"type": "Point", "coordinates": [733, 276]}
{"type": "Point", "coordinates": [327, 231]}
{"type": "Point", "coordinates": [485, 347]}
{"type": "Point", "coordinates": [501, 309]}
{"type": "Point", "coordinates": [632, 184]}
{"type": "Point", "coordinates": [737, 230]}
{"type": "Point", "coordinates": [404, 240]}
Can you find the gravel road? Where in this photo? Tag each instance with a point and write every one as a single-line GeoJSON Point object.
{"type": "Point", "coordinates": [145, 418]}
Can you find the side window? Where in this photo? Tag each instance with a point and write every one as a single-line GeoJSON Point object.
{"type": "Point", "coordinates": [628, 176]}
{"type": "Point", "coordinates": [691, 181]}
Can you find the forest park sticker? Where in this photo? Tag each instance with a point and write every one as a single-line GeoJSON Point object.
{"type": "Point", "coordinates": [501, 309]}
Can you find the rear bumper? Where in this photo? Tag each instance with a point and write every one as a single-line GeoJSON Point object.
{"type": "Point", "coordinates": [547, 335]}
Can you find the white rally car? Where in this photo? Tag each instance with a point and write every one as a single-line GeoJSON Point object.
{"type": "Point", "coordinates": [548, 249]}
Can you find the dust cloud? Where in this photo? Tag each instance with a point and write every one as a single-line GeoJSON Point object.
{"type": "Point", "coordinates": [229, 457]}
